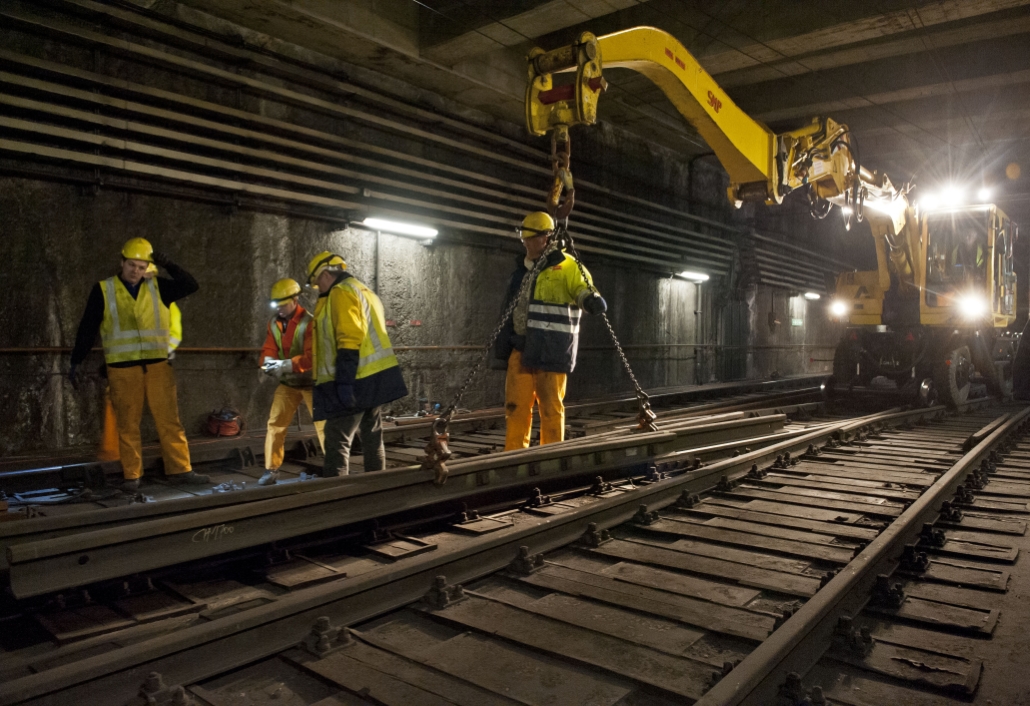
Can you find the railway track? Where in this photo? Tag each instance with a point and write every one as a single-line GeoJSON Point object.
{"type": "Point", "coordinates": [104, 535]}
{"type": "Point", "coordinates": [713, 584]}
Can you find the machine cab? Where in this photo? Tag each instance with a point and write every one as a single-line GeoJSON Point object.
{"type": "Point", "coordinates": [968, 267]}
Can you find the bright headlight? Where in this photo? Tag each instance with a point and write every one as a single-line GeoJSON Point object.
{"type": "Point", "coordinates": [972, 306]}
{"type": "Point", "coordinates": [839, 307]}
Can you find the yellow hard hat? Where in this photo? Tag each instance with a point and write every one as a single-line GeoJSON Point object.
{"type": "Point", "coordinates": [536, 223]}
{"type": "Point", "coordinates": [284, 290]}
{"type": "Point", "coordinates": [138, 249]}
{"type": "Point", "coordinates": [323, 261]}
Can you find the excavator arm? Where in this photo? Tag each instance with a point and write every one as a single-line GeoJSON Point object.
{"type": "Point", "coordinates": [763, 166]}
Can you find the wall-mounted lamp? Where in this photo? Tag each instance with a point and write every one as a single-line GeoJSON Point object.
{"type": "Point", "coordinates": [412, 230]}
{"type": "Point", "coordinates": [812, 296]}
{"type": "Point", "coordinates": [697, 277]}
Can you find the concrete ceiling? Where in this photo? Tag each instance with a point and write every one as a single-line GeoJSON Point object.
{"type": "Point", "coordinates": [938, 91]}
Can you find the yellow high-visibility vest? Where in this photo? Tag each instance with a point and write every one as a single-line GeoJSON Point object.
{"type": "Point", "coordinates": [375, 352]}
{"type": "Point", "coordinates": [133, 329]}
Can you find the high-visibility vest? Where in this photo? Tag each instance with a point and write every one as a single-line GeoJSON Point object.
{"type": "Point", "coordinates": [375, 352]}
{"type": "Point", "coordinates": [174, 328]}
{"type": "Point", "coordinates": [296, 348]}
{"type": "Point", "coordinates": [133, 329]}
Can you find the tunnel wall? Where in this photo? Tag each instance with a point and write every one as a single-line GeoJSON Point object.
{"type": "Point", "coordinates": [60, 232]}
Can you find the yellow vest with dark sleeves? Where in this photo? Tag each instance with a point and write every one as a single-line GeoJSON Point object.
{"type": "Point", "coordinates": [133, 329]}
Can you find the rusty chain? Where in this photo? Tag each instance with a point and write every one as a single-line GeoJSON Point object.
{"type": "Point", "coordinates": [437, 451]}
{"type": "Point", "coordinates": [645, 415]}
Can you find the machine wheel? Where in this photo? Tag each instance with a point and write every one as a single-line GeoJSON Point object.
{"type": "Point", "coordinates": [845, 360]}
{"type": "Point", "coordinates": [952, 376]}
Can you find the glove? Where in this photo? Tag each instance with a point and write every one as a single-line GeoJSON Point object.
{"type": "Point", "coordinates": [270, 366]}
{"type": "Point", "coordinates": [345, 393]}
{"type": "Point", "coordinates": [71, 377]}
{"type": "Point", "coordinates": [595, 304]}
{"type": "Point", "coordinates": [160, 259]}
{"type": "Point", "coordinates": [286, 366]}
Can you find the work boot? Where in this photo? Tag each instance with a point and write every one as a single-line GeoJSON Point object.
{"type": "Point", "coordinates": [188, 478]}
{"type": "Point", "coordinates": [271, 477]}
{"type": "Point", "coordinates": [129, 485]}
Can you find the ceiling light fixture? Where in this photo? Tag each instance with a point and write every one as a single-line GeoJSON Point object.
{"type": "Point", "coordinates": [697, 277]}
{"type": "Point", "coordinates": [400, 228]}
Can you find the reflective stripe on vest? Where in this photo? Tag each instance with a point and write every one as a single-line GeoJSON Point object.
{"type": "Point", "coordinates": [297, 344]}
{"type": "Point", "coordinates": [133, 329]}
{"type": "Point", "coordinates": [375, 353]}
{"type": "Point", "coordinates": [553, 317]}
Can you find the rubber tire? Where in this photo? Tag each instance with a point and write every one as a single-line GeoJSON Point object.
{"type": "Point", "coordinates": [844, 362]}
{"type": "Point", "coordinates": [952, 390]}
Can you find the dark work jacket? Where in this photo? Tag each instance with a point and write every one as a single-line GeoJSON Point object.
{"type": "Point", "coordinates": [552, 331]}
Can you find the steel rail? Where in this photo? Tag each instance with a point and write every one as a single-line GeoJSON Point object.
{"type": "Point", "coordinates": [72, 560]}
{"type": "Point", "coordinates": [205, 650]}
{"type": "Point", "coordinates": [795, 646]}
{"type": "Point", "coordinates": [209, 449]}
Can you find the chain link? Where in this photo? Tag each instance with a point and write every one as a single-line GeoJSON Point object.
{"type": "Point", "coordinates": [645, 415]}
{"type": "Point", "coordinates": [441, 422]}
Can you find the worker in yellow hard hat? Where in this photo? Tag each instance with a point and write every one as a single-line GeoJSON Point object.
{"type": "Point", "coordinates": [356, 371]}
{"type": "Point", "coordinates": [108, 451]}
{"type": "Point", "coordinates": [286, 356]}
{"type": "Point", "coordinates": [538, 342]}
{"type": "Point", "coordinates": [131, 314]}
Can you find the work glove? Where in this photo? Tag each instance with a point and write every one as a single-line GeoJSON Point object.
{"type": "Point", "coordinates": [270, 366]}
{"type": "Point", "coordinates": [345, 393]}
{"type": "Point", "coordinates": [160, 259]}
{"type": "Point", "coordinates": [71, 377]}
{"type": "Point", "coordinates": [282, 367]}
{"type": "Point", "coordinates": [595, 304]}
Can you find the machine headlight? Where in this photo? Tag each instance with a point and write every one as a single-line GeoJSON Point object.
{"type": "Point", "coordinates": [972, 306]}
{"type": "Point", "coordinates": [839, 308]}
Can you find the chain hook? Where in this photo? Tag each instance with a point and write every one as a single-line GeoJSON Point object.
{"type": "Point", "coordinates": [561, 154]}
{"type": "Point", "coordinates": [437, 450]}
{"type": "Point", "coordinates": [645, 415]}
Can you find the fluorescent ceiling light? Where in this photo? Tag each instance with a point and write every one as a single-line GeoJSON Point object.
{"type": "Point", "coordinates": [693, 276]}
{"type": "Point", "coordinates": [400, 228]}
{"type": "Point", "coordinates": [812, 296]}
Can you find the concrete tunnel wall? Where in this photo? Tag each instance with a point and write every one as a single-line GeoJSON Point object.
{"type": "Point", "coordinates": [57, 242]}
{"type": "Point", "coordinates": [57, 239]}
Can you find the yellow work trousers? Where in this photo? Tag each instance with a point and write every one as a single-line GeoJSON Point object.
{"type": "Point", "coordinates": [522, 388]}
{"type": "Point", "coordinates": [108, 450]}
{"type": "Point", "coordinates": [284, 405]}
{"type": "Point", "coordinates": [154, 384]}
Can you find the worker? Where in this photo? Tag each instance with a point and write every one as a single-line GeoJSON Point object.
{"type": "Point", "coordinates": [108, 452]}
{"type": "Point", "coordinates": [539, 340]}
{"type": "Point", "coordinates": [131, 314]}
{"type": "Point", "coordinates": [356, 371]}
{"type": "Point", "coordinates": [286, 356]}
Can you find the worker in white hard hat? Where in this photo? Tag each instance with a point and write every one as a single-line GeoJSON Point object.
{"type": "Point", "coordinates": [538, 342]}
{"type": "Point", "coordinates": [356, 371]}
{"type": "Point", "coordinates": [131, 314]}
{"type": "Point", "coordinates": [286, 356]}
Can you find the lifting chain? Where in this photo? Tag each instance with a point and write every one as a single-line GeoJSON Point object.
{"type": "Point", "coordinates": [437, 450]}
{"type": "Point", "coordinates": [561, 153]}
{"type": "Point", "coordinates": [645, 415]}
